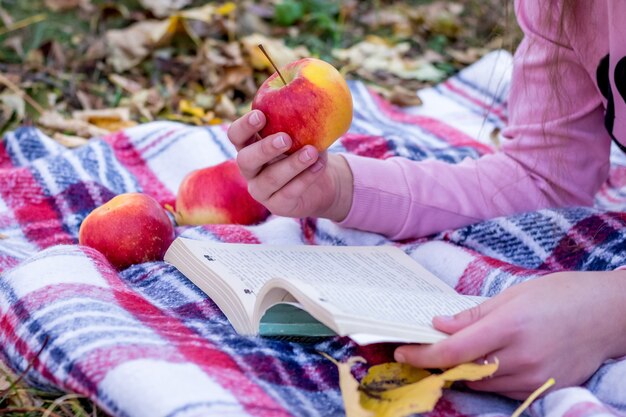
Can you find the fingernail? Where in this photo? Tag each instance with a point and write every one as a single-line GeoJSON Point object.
{"type": "Point", "coordinates": [445, 319]}
{"type": "Point", "coordinates": [317, 166]}
{"type": "Point", "coordinates": [399, 357]}
{"type": "Point", "coordinates": [255, 119]}
{"type": "Point", "coordinates": [279, 142]}
{"type": "Point", "coordinates": [305, 156]}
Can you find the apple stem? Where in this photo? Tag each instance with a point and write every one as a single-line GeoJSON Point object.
{"type": "Point", "coordinates": [272, 62]}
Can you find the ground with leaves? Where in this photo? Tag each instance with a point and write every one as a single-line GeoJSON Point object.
{"type": "Point", "coordinates": [83, 68]}
{"type": "Point", "coordinates": [80, 68]}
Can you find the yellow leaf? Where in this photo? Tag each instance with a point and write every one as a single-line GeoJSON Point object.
{"type": "Point", "coordinates": [276, 48]}
{"type": "Point", "coordinates": [391, 375]}
{"type": "Point", "coordinates": [421, 391]}
{"type": "Point", "coordinates": [226, 8]}
{"type": "Point", "coordinates": [349, 387]}
{"type": "Point", "coordinates": [186, 107]}
{"type": "Point", "coordinates": [418, 397]}
{"type": "Point", "coordinates": [469, 372]}
{"type": "Point", "coordinates": [112, 119]}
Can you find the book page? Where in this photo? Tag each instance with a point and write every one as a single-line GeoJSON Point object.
{"type": "Point", "coordinates": [400, 308]}
{"type": "Point", "coordinates": [375, 267]}
{"type": "Point", "coordinates": [378, 315]}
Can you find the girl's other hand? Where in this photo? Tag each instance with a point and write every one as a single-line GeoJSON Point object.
{"type": "Point", "coordinates": [562, 326]}
{"type": "Point", "coordinates": [305, 183]}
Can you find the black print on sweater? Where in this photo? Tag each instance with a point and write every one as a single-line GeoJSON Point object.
{"type": "Point", "coordinates": [604, 84]}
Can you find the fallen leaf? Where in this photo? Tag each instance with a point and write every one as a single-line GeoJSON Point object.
{"type": "Point", "coordinates": [69, 141]}
{"type": "Point", "coordinates": [129, 46]}
{"type": "Point", "coordinates": [420, 396]}
{"type": "Point", "coordinates": [147, 102]}
{"type": "Point", "coordinates": [56, 122]}
{"type": "Point", "coordinates": [375, 54]}
{"type": "Point", "coordinates": [186, 107]}
{"type": "Point", "coordinates": [349, 386]}
{"type": "Point", "coordinates": [125, 83]}
{"type": "Point", "coordinates": [15, 102]}
{"type": "Point", "coordinates": [163, 8]}
{"type": "Point", "coordinates": [225, 107]}
{"type": "Point", "coordinates": [109, 119]}
{"type": "Point", "coordinates": [233, 77]}
{"type": "Point", "coordinates": [276, 48]}
{"type": "Point", "coordinates": [391, 375]}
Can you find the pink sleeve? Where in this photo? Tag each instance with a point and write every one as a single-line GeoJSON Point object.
{"type": "Point", "coordinates": [556, 153]}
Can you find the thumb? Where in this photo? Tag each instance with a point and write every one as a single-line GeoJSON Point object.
{"type": "Point", "coordinates": [452, 324]}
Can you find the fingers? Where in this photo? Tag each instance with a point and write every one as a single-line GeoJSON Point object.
{"type": "Point", "coordinates": [242, 130]}
{"type": "Point", "coordinates": [466, 345]}
{"type": "Point", "coordinates": [289, 197]}
{"type": "Point", "coordinates": [285, 176]}
{"type": "Point", "coordinates": [252, 158]}
{"type": "Point", "coordinates": [452, 324]}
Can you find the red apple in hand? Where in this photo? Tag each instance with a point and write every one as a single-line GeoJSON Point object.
{"type": "Point", "coordinates": [217, 195]}
{"type": "Point", "coordinates": [313, 104]}
{"type": "Point", "coordinates": [129, 229]}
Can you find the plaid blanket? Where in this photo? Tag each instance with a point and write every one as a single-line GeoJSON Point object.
{"type": "Point", "coordinates": [146, 342]}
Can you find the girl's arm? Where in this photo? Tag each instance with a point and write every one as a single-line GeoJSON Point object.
{"type": "Point", "coordinates": [556, 151]}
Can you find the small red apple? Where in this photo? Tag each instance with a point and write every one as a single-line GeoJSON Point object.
{"type": "Point", "coordinates": [217, 195]}
{"type": "Point", "coordinates": [314, 106]}
{"type": "Point", "coordinates": [129, 229]}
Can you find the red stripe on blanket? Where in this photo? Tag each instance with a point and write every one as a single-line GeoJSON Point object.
{"type": "Point", "coordinates": [5, 159]}
{"type": "Point", "coordinates": [98, 362]}
{"type": "Point", "coordinates": [8, 262]}
{"type": "Point", "coordinates": [207, 356]}
{"type": "Point", "coordinates": [35, 213]}
{"type": "Point", "coordinates": [489, 108]}
{"type": "Point", "coordinates": [581, 238]}
{"type": "Point", "coordinates": [472, 280]}
{"type": "Point", "coordinates": [443, 131]}
{"type": "Point", "coordinates": [131, 158]}
{"type": "Point", "coordinates": [366, 145]}
{"type": "Point", "coordinates": [91, 368]}
{"type": "Point", "coordinates": [232, 233]}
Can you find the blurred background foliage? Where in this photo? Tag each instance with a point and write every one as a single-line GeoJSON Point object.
{"type": "Point", "coordinates": [81, 68]}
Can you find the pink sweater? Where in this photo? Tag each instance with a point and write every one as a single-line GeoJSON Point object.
{"type": "Point", "coordinates": [556, 151]}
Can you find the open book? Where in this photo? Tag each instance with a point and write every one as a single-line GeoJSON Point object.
{"type": "Point", "coordinates": [370, 293]}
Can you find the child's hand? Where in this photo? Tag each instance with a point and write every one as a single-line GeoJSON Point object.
{"type": "Point", "coordinates": [305, 183]}
{"type": "Point", "coordinates": [563, 325]}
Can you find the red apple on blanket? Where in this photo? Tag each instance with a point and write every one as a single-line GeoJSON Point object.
{"type": "Point", "coordinates": [217, 195]}
{"type": "Point", "coordinates": [307, 99]}
{"type": "Point", "coordinates": [129, 229]}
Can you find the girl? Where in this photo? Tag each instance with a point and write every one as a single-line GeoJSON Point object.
{"type": "Point", "coordinates": [566, 104]}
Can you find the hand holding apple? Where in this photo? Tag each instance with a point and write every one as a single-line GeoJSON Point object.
{"type": "Point", "coordinates": [217, 194]}
{"type": "Point", "coordinates": [129, 229]}
{"type": "Point", "coordinates": [303, 184]}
